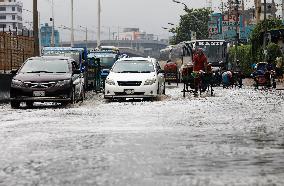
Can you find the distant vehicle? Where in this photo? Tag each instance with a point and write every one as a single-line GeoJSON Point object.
{"type": "Point", "coordinates": [181, 55]}
{"type": "Point", "coordinates": [111, 49]}
{"type": "Point", "coordinates": [216, 51]}
{"type": "Point", "coordinates": [264, 75]}
{"type": "Point", "coordinates": [47, 79]}
{"type": "Point", "coordinates": [107, 59]}
{"type": "Point", "coordinates": [77, 53]}
{"type": "Point", "coordinates": [135, 78]}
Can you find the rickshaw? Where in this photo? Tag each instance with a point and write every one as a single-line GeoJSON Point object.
{"type": "Point", "coordinates": [171, 72]}
{"type": "Point", "coordinates": [197, 81]}
{"type": "Point", "coordinates": [264, 75]}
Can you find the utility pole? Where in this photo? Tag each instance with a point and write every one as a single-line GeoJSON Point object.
{"type": "Point", "coordinates": [237, 31]}
{"type": "Point", "coordinates": [118, 36]}
{"type": "Point", "coordinates": [99, 24]}
{"type": "Point", "coordinates": [72, 23]}
{"type": "Point", "coordinates": [86, 37]}
{"type": "Point", "coordinates": [35, 28]}
{"type": "Point", "coordinates": [257, 4]}
{"type": "Point", "coordinates": [109, 33]}
{"type": "Point", "coordinates": [39, 35]}
{"type": "Point", "coordinates": [222, 7]}
{"type": "Point", "coordinates": [52, 30]}
{"type": "Point", "coordinates": [282, 10]}
{"type": "Point", "coordinates": [265, 30]}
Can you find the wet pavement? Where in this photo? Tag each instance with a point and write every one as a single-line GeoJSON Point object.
{"type": "Point", "coordinates": [233, 138]}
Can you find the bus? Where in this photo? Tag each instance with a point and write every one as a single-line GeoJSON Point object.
{"type": "Point", "coordinates": [181, 54]}
{"type": "Point", "coordinates": [177, 57]}
{"type": "Point", "coordinates": [216, 51]}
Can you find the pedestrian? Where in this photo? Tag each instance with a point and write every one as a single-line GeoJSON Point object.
{"type": "Point", "coordinates": [279, 70]}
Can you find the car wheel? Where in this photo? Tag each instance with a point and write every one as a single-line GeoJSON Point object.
{"type": "Point", "coordinates": [164, 88]}
{"type": "Point", "coordinates": [29, 104]}
{"type": "Point", "coordinates": [15, 104]}
{"type": "Point", "coordinates": [64, 103]}
{"type": "Point", "coordinates": [149, 99]}
{"type": "Point", "coordinates": [274, 84]}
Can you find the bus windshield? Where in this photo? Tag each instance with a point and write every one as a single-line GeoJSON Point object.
{"type": "Point", "coordinates": [215, 50]}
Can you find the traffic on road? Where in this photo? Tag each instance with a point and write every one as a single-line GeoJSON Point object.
{"type": "Point", "coordinates": [141, 93]}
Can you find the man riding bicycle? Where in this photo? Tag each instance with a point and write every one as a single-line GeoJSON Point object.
{"type": "Point", "coordinates": [200, 65]}
{"type": "Point", "coordinates": [200, 62]}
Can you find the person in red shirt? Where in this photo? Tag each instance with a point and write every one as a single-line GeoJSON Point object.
{"type": "Point", "coordinates": [200, 61]}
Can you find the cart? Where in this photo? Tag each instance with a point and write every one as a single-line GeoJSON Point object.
{"type": "Point", "coordinates": [171, 73]}
{"type": "Point", "coordinates": [196, 82]}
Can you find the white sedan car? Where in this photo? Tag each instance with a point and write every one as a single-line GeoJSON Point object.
{"type": "Point", "coordinates": [135, 78]}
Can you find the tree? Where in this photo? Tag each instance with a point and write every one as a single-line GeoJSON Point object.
{"type": "Point", "coordinates": [194, 20]}
{"type": "Point", "coordinates": [273, 51]}
{"type": "Point", "coordinates": [244, 57]}
{"type": "Point", "coordinates": [257, 36]}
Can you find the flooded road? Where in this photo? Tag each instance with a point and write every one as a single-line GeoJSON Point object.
{"type": "Point", "coordinates": [233, 138]}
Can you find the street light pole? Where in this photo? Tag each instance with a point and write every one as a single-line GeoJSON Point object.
{"type": "Point", "coordinates": [86, 30]}
{"type": "Point", "coordinates": [72, 23]}
{"type": "Point", "coordinates": [52, 32]}
{"type": "Point", "coordinates": [99, 24]}
{"type": "Point", "coordinates": [35, 28]}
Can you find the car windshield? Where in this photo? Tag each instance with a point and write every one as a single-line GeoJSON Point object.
{"type": "Point", "coordinates": [133, 67]}
{"type": "Point", "coordinates": [262, 66]}
{"type": "Point", "coordinates": [45, 66]}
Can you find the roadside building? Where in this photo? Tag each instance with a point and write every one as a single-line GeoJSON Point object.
{"type": "Point", "coordinates": [11, 15]}
{"type": "Point", "coordinates": [227, 26]}
{"type": "Point", "coordinates": [46, 35]}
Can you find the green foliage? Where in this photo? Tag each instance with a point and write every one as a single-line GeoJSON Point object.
{"type": "Point", "coordinates": [269, 24]}
{"type": "Point", "coordinates": [244, 55]}
{"type": "Point", "coordinates": [246, 59]}
{"type": "Point", "coordinates": [273, 51]}
{"type": "Point", "coordinates": [194, 20]}
{"type": "Point", "coordinates": [257, 36]}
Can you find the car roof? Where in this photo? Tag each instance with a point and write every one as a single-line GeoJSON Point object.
{"type": "Point", "coordinates": [51, 58]}
{"type": "Point", "coordinates": [138, 59]}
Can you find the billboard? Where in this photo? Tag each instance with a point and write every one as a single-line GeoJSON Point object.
{"type": "Point", "coordinates": [223, 26]}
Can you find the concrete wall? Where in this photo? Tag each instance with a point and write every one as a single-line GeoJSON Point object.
{"type": "Point", "coordinates": [5, 81]}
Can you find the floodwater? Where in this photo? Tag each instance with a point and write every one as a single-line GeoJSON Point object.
{"type": "Point", "coordinates": [233, 138]}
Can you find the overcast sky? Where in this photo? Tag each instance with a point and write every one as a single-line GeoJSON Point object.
{"type": "Point", "coordinates": [148, 15]}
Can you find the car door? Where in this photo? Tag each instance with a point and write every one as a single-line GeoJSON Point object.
{"type": "Point", "coordinates": [161, 78]}
{"type": "Point", "coordinates": [76, 79]}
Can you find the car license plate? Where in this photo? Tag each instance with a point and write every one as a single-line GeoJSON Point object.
{"type": "Point", "coordinates": [129, 91]}
{"type": "Point", "coordinates": [39, 93]}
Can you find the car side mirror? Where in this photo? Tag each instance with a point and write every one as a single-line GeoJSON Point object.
{"type": "Point", "coordinates": [77, 71]}
{"type": "Point", "coordinates": [14, 71]}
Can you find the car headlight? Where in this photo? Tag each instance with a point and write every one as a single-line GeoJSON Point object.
{"type": "Point", "coordinates": [17, 83]}
{"type": "Point", "coordinates": [150, 81]}
{"type": "Point", "coordinates": [62, 83]}
{"type": "Point", "coordinates": [110, 82]}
